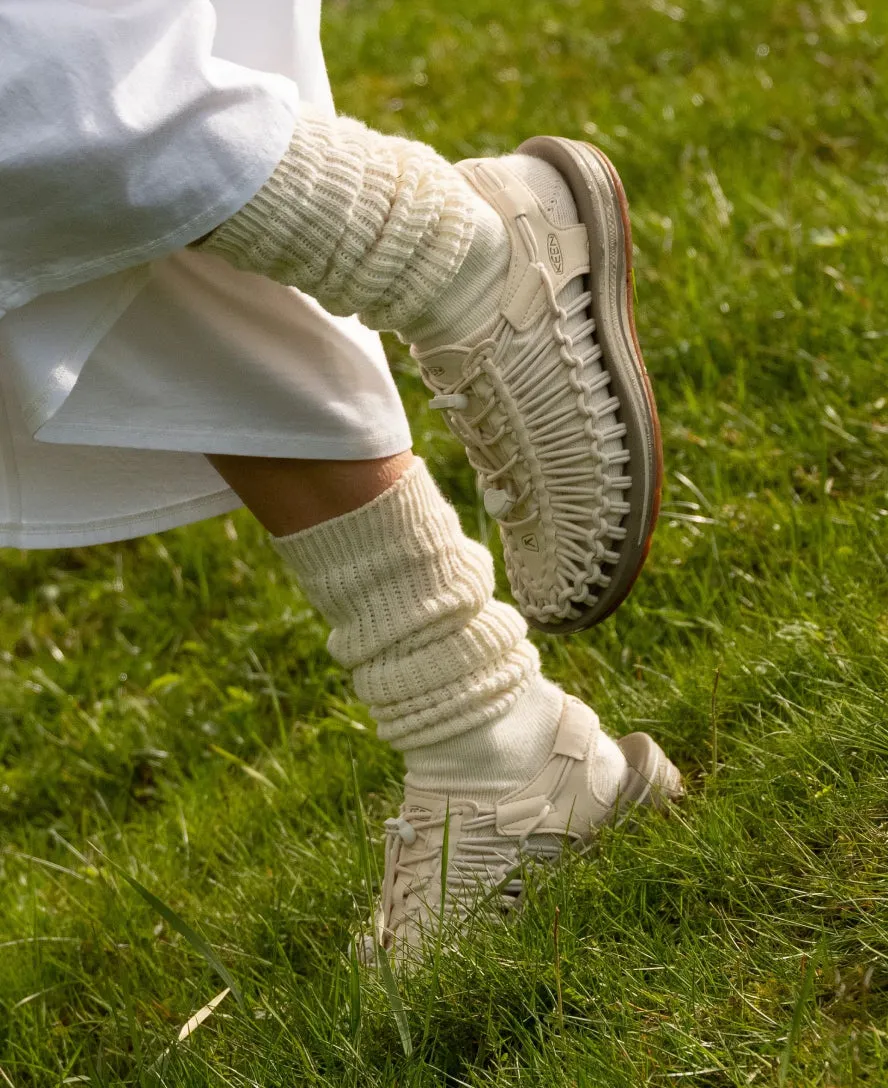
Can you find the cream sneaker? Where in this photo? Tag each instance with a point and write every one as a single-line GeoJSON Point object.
{"type": "Point", "coordinates": [588, 780]}
{"type": "Point", "coordinates": [551, 399]}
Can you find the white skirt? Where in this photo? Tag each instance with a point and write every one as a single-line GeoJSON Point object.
{"type": "Point", "coordinates": [204, 359]}
{"type": "Point", "coordinates": [112, 389]}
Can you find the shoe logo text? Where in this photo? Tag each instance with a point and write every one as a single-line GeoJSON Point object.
{"type": "Point", "coordinates": [530, 542]}
{"type": "Point", "coordinates": [555, 254]}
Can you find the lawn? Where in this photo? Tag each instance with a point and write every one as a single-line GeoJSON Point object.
{"type": "Point", "coordinates": [168, 714]}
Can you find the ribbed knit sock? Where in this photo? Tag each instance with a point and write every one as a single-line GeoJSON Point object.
{"type": "Point", "coordinates": [365, 223]}
{"type": "Point", "coordinates": [447, 671]}
{"type": "Point", "coordinates": [469, 305]}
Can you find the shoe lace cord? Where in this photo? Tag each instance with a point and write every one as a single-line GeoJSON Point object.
{"type": "Point", "coordinates": [559, 443]}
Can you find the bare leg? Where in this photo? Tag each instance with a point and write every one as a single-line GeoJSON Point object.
{"type": "Point", "coordinates": [288, 496]}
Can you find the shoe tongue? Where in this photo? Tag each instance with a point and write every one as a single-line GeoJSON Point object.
{"type": "Point", "coordinates": [548, 185]}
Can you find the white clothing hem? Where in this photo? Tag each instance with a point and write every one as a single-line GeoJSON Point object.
{"type": "Point", "coordinates": [244, 444]}
{"type": "Point", "coordinates": [113, 530]}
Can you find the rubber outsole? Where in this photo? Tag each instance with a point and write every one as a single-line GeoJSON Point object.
{"type": "Point", "coordinates": [603, 208]}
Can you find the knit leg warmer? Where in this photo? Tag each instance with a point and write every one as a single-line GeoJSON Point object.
{"type": "Point", "coordinates": [363, 222]}
{"type": "Point", "coordinates": [409, 601]}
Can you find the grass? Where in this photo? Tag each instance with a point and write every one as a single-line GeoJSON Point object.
{"type": "Point", "coordinates": [168, 713]}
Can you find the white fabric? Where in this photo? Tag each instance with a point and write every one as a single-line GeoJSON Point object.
{"type": "Point", "coordinates": [279, 408]}
{"type": "Point", "coordinates": [119, 104]}
{"type": "Point", "coordinates": [123, 138]}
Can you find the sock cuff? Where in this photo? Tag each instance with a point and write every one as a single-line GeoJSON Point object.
{"type": "Point", "coordinates": [413, 504]}
{"type": "Point", "coordinates": [309, 198]}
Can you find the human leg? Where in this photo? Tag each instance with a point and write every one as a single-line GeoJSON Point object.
{"type": "Point", "coordinates": [378, 550]}
{"type": "Point", "coordinates": [289, 495]}
{"type": "Point", "coordinates": [537, 369]}
{"type": "Point", "coordinates": [511, 764]}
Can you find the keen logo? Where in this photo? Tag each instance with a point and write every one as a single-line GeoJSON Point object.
{"type": "Point", "coordinates": [436, 371]}
{"type": "Point", "coordinates": [530, 542]}
{"type": "Point", "coordinates": [555, 254]}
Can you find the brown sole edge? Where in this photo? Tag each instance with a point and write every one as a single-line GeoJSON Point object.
{"type": "Point", "coordinates": [655, 415]}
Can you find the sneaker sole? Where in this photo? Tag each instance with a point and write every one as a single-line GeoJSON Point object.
{"type": "Point", "coordinates": [604, 209]}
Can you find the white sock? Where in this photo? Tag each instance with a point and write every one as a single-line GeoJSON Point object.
{"type": "Point", "coordinates": [470, 304]}
{"type": "Point", "coordinates": [365, 223]}
{"type": "Point", "coordinates": [491, 760]}
{"type": "Point", "coordinates": [447, 671]}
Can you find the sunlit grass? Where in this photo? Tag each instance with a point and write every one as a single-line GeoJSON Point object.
{"type": "Point", "coordinates": [168, 704]}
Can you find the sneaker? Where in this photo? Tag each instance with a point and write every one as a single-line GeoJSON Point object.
{"type": "Point", "coordinates": [552, 400]}
{"type": "Point", "coordinates": [589, 780]}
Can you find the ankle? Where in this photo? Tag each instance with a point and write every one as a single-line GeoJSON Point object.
{"type": "Point", "coordinates": [490, 760]}
{"type": "Point", "coordinates": [471, 300]}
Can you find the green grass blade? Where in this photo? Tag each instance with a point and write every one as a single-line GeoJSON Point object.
{"type": "Point", "coordinates": [244, 766]}
{"type": "Point", "coordinates": [394, 999]}
{"type": "Point", "coordinates": [368, 869]}
{"type": "Point", "coordinates": [354, 993]}
{"type": "Point", "coordinates": [198, 943]}
{"type": "Point", "coordinates": [796, 1023]}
